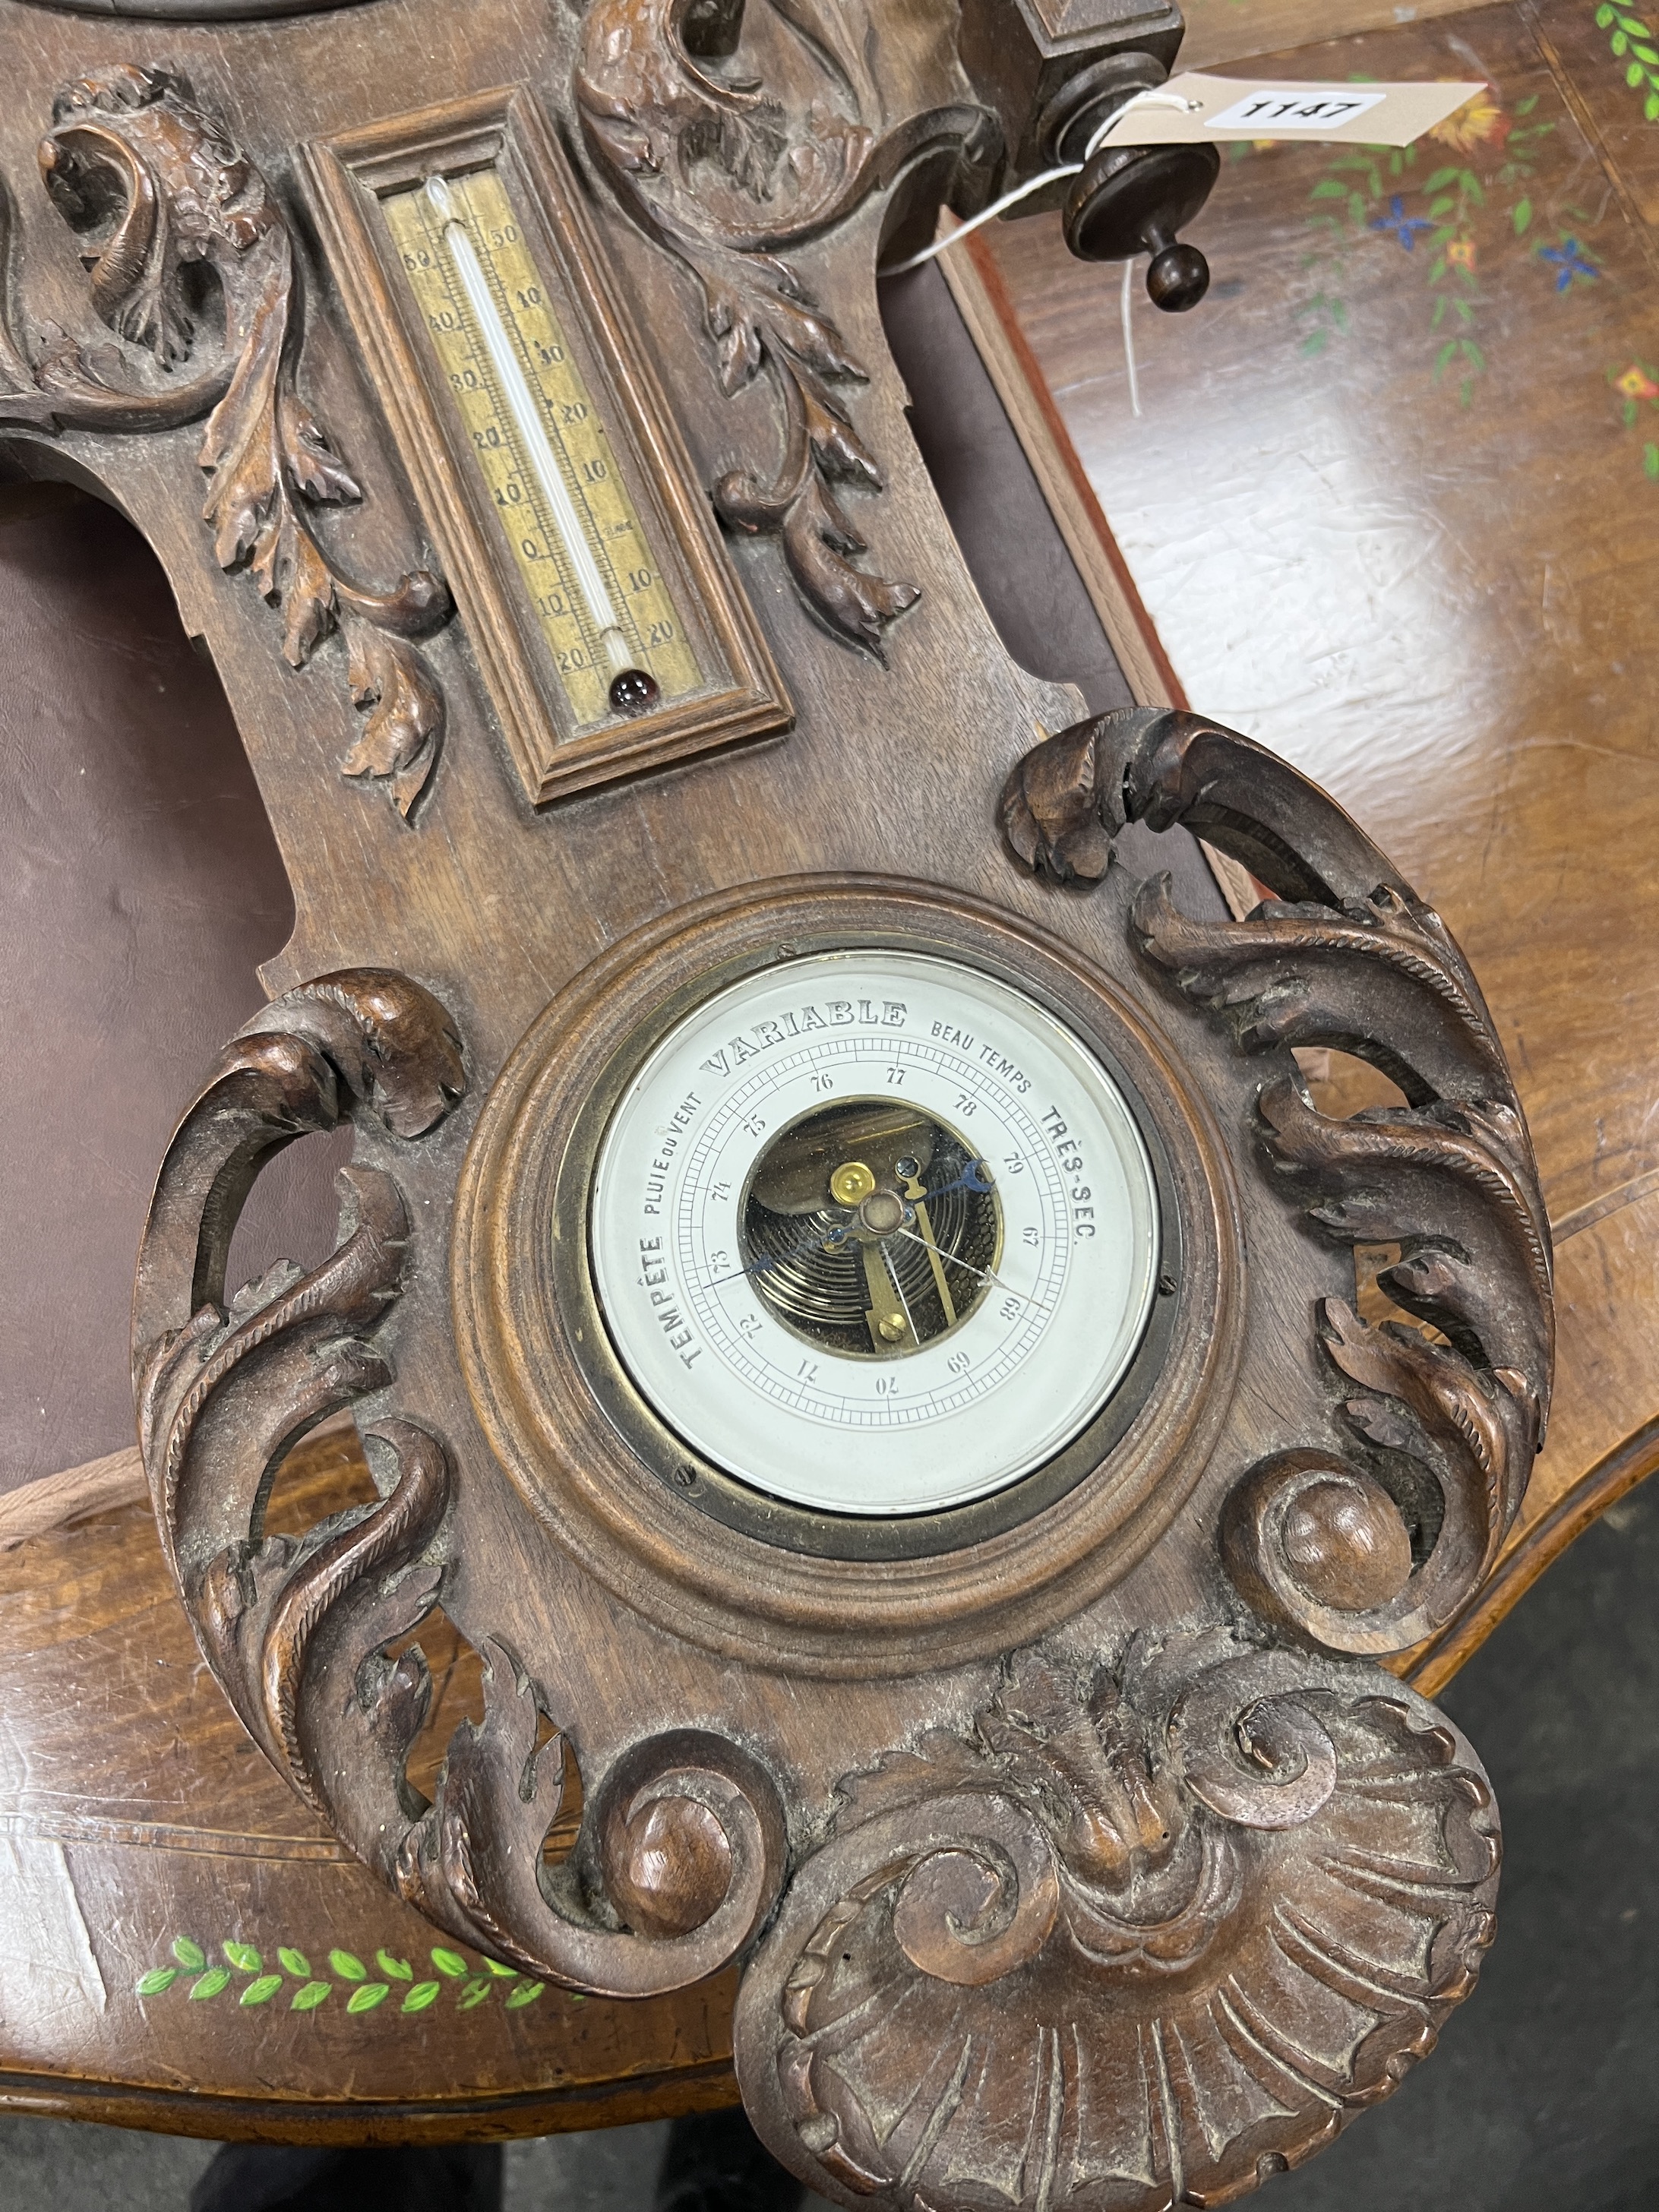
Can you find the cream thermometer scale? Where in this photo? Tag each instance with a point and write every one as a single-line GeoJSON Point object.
{"type": "Point", "coordinates": [874, 1232]}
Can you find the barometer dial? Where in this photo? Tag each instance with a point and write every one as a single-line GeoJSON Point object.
{"type": "Point", "coordinates": [874, 1232]}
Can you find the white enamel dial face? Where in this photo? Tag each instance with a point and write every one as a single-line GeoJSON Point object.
{"type": "Point", "coordinates": [874, 1232]}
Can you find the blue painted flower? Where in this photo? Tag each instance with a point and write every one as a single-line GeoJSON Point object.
{"type": "Point", "coordinates": [1569, 260]}
{"type": "Point", "coordinates": [1400, 225]}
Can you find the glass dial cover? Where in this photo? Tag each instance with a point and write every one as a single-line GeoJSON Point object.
{"type": "Point", "coordinates": [874, 1232]}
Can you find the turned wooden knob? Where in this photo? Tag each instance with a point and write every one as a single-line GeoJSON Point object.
{"type": "Point", "coordinates": [1133, 199]}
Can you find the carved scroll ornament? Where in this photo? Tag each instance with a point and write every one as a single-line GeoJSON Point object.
{"type": "Point", "coordinates": [686, 1834]}
{"type": "Point", "coordinates": [1371, 1545]}
{"type": "Point", "coordinates": [1170, 1913]}
{"type": "Point", "coordinates": [133, 155]}
{"type": "Point", "coordinates": [728, 177]}
{"type": "Point", "coordinates": [1143, 1939]}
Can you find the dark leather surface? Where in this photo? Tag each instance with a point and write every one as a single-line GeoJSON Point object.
{"type": "Point", "coordinates": [1031, 590]}
{"type": "Point", "coordinates": [140, 885]}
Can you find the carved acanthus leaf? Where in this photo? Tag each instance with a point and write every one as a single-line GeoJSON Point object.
{"type": "Point", "coordinates": [133, 152]}
{"type": "Point", "coordinates": [1148, 1938]}
{"type": "Point", "coordinates": [728, 177]}
{"type": "Point", "coordinates": [229, 1390]}
{"type": "Point", "coordinates": [689, 1841]}
{"type": "Point", "coordinates": [1346, 957]}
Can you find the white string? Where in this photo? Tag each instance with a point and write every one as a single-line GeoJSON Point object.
{"type": "Point", "coordinates": [1129, 335]}
{"type": "Point", "coordinates": [1049, 177]}
{"type": "Point", "coordinates": [1019, 192]}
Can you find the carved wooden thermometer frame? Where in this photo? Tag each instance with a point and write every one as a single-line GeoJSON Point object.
{"type": "Point", "coordinates": [742, 695]}
{"type": "Point", "coordinates": [1076, 1851]}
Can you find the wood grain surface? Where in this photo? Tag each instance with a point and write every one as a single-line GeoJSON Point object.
{"type": "Point", "coordinates": [1234, 34]}
{"type": "Point", "coordinates": [1411, 546]}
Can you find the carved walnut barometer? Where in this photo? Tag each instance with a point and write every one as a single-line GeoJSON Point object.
{"type": "Point", "coordinates": [848, 1298]}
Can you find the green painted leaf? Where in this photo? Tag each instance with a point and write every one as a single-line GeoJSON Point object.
{"type": "Point", "coordinates": [366, 1998]}
{"type": "Point", "coordinates": [1473, 355]}
{"type": "Point", "coordinates": [1326, 189]}
{"type": "Point", "coordinates": [308, 1999]}
{"type": "Point", "coordinates": [1443, 358]}
{"type": "Point", "coordinates": [527, 1993]}
{"type": "Point", "coordinates": [1439, 314]}
{"type": "Point", "coordinates": [1635, 75]}
{"type": "Point", "coordinates": [449, 1962]}
{"type": "Point", "coordinates": [1441, 179]}
{"type": "Point", "coordinates": [1441, 205]}
{"type": "Point", "coordinates": [422, 1995]}
{"type": "Point", "coordinates": [1522, 217]}
{"type": "Point", "coordinates": [1645, 54]}
{"type": "Point", "coordinates": [1525, 106]}
{"type": "Point", "coordinates": [349, 1969]}
{"type": "Point", "coordinates": [1620, 43]}
{"type": "Point", "coordinates": [1316, 341]}
{"type": "Point", "coordinates": [262, 1991]}
{"type": "Point", "coordinates": [1604, 15]}
{"type": "Point", "coordinates": [189, 1955]}
{"type": "Point", "coordinates": [1628, 412]}
{"type": "Point", "coordinates": [211, 1982]}
{"type": "Point", "coordinates": [396, 1970]}
{"type": "Point", "coordinates": [495, 1966]}
{"type": "Point", "coordinates": [1650, 109]}
{"type": "Point", "coordinates": [243, 1957]}
{"type": "Point", "coordinates": [158, 1978]}
{"type": "Point", "coordinates": [1651, 463]}
{"type": "Point", "coordinates": [295, 1963]}
{"type": "Point", "coordinates": [474, 1993]}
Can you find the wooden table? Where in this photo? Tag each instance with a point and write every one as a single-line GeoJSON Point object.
{"type": "Point", "coordinates": [1390, 505]}
{"type": "Point", "coordinates": [188, 1949]}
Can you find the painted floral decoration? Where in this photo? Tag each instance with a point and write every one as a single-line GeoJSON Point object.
{"type": "Point", "coordinates": [364, 1987]}
{"type": "Point", "coordinates": [1480, 122]}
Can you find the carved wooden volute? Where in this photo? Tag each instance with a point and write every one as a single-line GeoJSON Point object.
{"type": "Point", "coordinates": [505, 393]}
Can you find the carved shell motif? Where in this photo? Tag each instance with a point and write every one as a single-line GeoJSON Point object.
{"type": "Point", "coordinates": [1152, 1937]}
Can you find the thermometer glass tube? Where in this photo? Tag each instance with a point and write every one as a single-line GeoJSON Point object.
{"type": "Point", "coordinates": [600, 597]}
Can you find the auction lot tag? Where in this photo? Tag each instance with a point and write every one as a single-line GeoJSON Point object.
{"type": "Point", "coordinates": [1192, 107]}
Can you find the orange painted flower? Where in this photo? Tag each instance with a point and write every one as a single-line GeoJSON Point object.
{"type": "Point", "coordinates": [1461, 253]}
{"type": "Point", "coordinates": [1480, 122]}
{"type": "Point", "coordinates": [1636, 383]}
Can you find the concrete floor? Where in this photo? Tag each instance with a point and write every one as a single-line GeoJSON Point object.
{"type": "Point", "coordinates": [1545, 2091]}
{"type": "Point", "coordinates": [61, 2166]}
